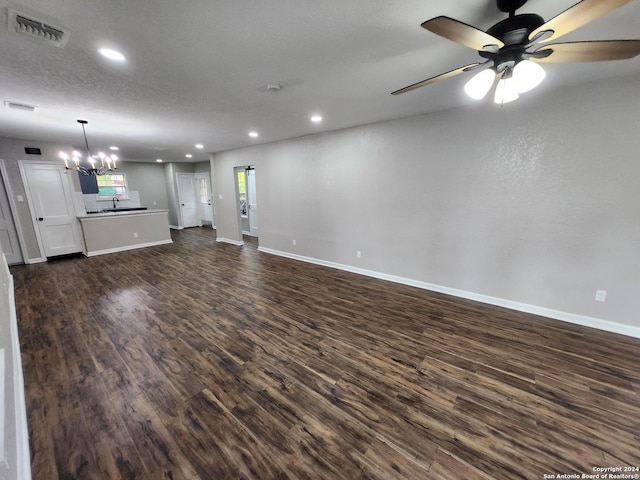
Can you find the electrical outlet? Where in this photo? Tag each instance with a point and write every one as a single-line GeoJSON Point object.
{"type": "Point", "coordinates": [601, 295]}
{"type": "Point", "coordinates": [20, 198]}
{"type": "Point", "coordinates": [135, 234]}
{"type": "Point", "coordinates": [358, 254]}
{"type": "Point", "coordinates": [219, 197]}
{"type": "Point", "coordinates": [155, 203]}
{"type": "Point", "coordinates": [293, 242]}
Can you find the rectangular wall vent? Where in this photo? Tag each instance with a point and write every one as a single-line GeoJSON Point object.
{"type": "Point", "coordinates": [20, 106]}
{"type": "Point", "coordinates": [32, 151]}
{"type": "Point", "coordinates": [33, 27]}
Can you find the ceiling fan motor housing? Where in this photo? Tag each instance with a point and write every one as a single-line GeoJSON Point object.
{"type": "Point", "coordinates": [515, 30]}
{"type": "Point", "coordinates": [514, 33]}
{"type": "Point", "coordinates": [509, 6]}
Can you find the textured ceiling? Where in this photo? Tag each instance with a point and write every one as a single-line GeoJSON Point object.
{"type": "Point", "coordinates": [196, 69]}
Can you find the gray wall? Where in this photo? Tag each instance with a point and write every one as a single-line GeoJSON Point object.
{"type": "Point", "coordinates": [148, 180]}
{"type": "Point", "coordinates": [202, 167]}
{"type": "Point", "coordinates": [536, 202]}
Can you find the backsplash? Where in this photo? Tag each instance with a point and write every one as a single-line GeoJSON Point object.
{"type": "Point", "coordinates": [91, 202]}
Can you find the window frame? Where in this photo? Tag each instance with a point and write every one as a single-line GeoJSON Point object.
{"type": "Point", "coordinates": [242, 196]}
{"type": "Point", "coordinates": [125, 187]}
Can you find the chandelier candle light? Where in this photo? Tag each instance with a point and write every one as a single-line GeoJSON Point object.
{"type": "Point", "coordinates": [107, 162]}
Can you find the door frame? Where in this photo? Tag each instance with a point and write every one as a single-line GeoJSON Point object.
{"type": "Point", "coordinates": [179, 192]}
{"type": "Point", "coordinates": [252, 199]}
{"type": "Point", "coordinates": [207, 177]}
{"type": "Point", "coordinates": [67, 184]}
{"type": "Point", "coordinates": [249, 195]}
{"type": "Point", "coordinates": [14, 213]}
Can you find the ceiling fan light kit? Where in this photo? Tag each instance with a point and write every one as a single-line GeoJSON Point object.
{"type": "Point", "coordinates": [525, 76]}
{"type": "Point", "coordinates": [512, 48]}
{"type": "Point", "coordinates": [480, 84]}
{"type": "Point", "coordinates": [506, 90]}
{"type": "Point", "coordinates": [528, 75]}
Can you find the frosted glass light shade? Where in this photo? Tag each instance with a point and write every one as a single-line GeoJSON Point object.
{"type": "Point", "coordinates": [506, 90]}
{"type": "Point", "coordinates": [527, 75]}
{"type": "Point", "coordinates": [480, 84]}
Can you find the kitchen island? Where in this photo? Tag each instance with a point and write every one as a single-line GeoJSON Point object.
{"type": "Point", "coordinates": [116, 231]}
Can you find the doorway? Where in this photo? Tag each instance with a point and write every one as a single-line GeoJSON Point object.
{"type": "Point", "coordinates": [50, 197]}
{"type": "Point", "coordinates": [205, 201]}
{"type": "Point", "coordinates": [188, 200]}
{"type": "Point", "coordinates": [247, 200]}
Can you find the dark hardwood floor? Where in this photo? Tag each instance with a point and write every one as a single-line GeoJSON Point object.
{"type": "Point", "coordinates": [212, 361]}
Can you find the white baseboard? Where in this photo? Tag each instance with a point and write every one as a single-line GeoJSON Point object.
{"type": "Point", "coordinates": [128, 247]}
{"type": "Point", "coordinates": [23, 460]}
{"type": "Point", "coordinates": [600, 324]}
{"type": "Point", "coordinates": [29, 261]}
{"type": "Point", "coordinates": [176, 227]}
{"type": "Point", "coordinates": [239, 243]}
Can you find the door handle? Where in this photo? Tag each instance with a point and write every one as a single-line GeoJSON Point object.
{"type": "Point", "coordinates": [183, 204]}
{"type": "Point", "coordinates": [40, 219]}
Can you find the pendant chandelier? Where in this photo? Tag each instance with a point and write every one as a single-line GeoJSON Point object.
{"type": "Point", "coordinates": [107, 162]}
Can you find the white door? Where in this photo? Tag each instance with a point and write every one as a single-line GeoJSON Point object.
{"type": "Point", "coordinates": [51, 201]}
{"type": "Point", "coordinates": [8, 234]}
{"type": "Point", "coordinates": [188, 200]}
{"type": "Point", "coordinates": [251, 200]}
{"type": "Point", "coordinates": [205, 202]}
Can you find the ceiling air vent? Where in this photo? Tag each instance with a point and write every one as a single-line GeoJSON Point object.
{"type": "Point", "coordinates": [33, 27]}
{"type": "Point", "coordinates": [20, 106]}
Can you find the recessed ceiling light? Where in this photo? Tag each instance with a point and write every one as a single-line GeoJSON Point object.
{"type": "Point", "coordinates": [199, 145]}
{"type": "Point", "coordinates": [112, 54]}
{"type": "Point", "coordinates": [113, 147]}
{"type": "Point", "coordinates": [253, 134]}
{"type": "Point", "coordinates": [188, 155]}
{"type": "Point", "coordinates": [316, 118]}
{"type": "Point", "coordinates": [159, 160]}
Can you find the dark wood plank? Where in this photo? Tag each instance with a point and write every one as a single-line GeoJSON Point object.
{"type": "Point", "coordinates": [202, 360]}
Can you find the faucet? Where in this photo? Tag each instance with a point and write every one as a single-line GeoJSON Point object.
{"type": "Point", "coordinates": [115, 199]}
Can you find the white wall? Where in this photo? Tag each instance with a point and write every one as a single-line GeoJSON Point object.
{"type": "Point", "coordinates": [14, 443]}
{"type": "Point", "coordinates": [536, 202]}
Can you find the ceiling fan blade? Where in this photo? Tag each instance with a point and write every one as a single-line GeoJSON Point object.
{"type": "Point", "coordinates": [574, 17]}
{"type": "Point", "coordinates": [437, 78]}
{"type": "Point", "coordinates": [595, 51]}
{"type": "Point", "coordinates": [463, 34]}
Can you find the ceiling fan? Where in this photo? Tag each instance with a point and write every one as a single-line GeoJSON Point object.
{"type": "Point", "coordinates": [513, 48]}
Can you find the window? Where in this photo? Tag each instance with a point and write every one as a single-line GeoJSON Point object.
{"type": "Point", "coordinates": [242, 193]}
{"type": "Point", "coordinates": [204, 191]}
{"type": "Point", "coordinates": [114, 185]}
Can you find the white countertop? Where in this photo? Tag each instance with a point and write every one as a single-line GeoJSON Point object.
{"type": "Point", "coordinates": [117, 214]}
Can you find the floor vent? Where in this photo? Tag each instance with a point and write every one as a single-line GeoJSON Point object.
{"type": "Point", "coordinates": [33, 27]}
{"type": "Point", "coordinates": [20, 106]}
